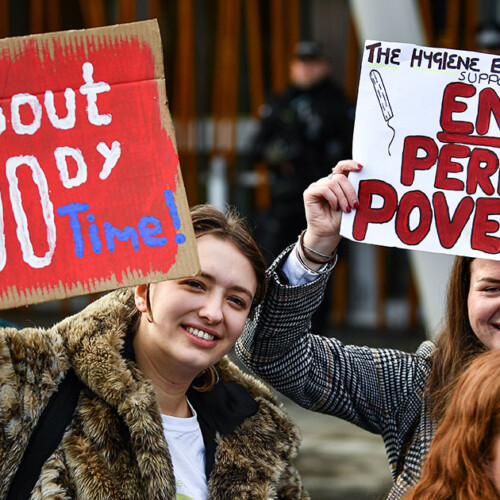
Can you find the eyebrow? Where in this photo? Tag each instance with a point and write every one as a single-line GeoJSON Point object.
{"type": "Point", "coordinates": [489, 279]}
{"type": "Point", "coordinates": [238, 288]}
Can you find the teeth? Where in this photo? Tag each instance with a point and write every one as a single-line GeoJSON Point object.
{"type": "Point", "coordinates": [199, 333]}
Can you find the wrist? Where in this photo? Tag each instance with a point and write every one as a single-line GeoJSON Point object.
{"type": "Point", "coordinates": [321, 244]}
{"type": "Point", "coordinates": [312, 268]}
{"type": "Point", "coordinates": [312, 258]}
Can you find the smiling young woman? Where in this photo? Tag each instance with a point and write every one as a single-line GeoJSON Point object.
{"type": "Point", "coordinates": [163, 413]}
{"type": "Point", "coordinates": [401, 396]}
{"type": "Point", "coordinates": [193, 322]}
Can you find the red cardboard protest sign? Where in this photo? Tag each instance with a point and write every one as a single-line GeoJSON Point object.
{"type": "Point", "coordinates": [91, 195]}
{"type": "Point", "coordinates": [427, 133]}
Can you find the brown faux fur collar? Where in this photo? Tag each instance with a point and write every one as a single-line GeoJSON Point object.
{"type": "Point", "coordinates": [115, 447]}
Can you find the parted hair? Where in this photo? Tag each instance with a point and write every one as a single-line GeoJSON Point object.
{"type": "Point", "coordinates": [456, 466]}
{"type": "Point", "coordinates": [229, 226]}
{"type": "Point", "coordinates": [457, 344]}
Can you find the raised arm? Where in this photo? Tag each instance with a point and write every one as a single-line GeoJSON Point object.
{"type": "Point", "coordinates": [324, 202]}
{"type": "Point", "coordinates": [358, 384]}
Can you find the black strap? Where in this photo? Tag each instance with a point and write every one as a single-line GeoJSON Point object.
{"type": "Point", "coordinates": [47, 435]}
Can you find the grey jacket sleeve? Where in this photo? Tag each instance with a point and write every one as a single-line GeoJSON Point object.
{"type": "Point", "coordinates": [373, 388]}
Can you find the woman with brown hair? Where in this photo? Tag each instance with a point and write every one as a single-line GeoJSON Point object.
{"type": "Point", "coordinates": [401, 396]}
{"type": "Point", "coordinates": [464, 460]}
{"type": "Point", "coordinates": [160, 411]}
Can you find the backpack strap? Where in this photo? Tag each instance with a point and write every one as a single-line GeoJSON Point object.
{"type": "Point", "coordinates": [47, 435]}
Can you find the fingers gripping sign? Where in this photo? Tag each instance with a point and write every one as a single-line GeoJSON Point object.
{"type": "Point", "coordinates": [324, 202]}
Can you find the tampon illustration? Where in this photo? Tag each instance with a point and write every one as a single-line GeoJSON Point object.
{"type": "Point", "coordinates": [383, 100]}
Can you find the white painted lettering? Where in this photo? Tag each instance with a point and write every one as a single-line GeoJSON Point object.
{"type": "Point", "coordinates": [62, 123]}
{"type": "Point", "coordinates": [91, 89]}
{"type": "Point", "coordinates": [19, 100]}
{"type": "Point", "coordinates": [111, 157]}
{"type": "Point", "coordinates": [22, 230]}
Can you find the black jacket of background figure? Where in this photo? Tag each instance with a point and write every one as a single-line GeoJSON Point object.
{"type": "Point", "coordinates": [303, 133]}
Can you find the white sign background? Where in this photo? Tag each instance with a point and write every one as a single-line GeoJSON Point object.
{"type": "Point", "coordinates": [415, 93]}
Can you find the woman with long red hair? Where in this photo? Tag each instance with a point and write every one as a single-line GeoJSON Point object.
{"type": "Point", "coordinates": [464, 460]}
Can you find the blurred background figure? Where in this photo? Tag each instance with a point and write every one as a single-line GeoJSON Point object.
{"type": "Point", "coordinates": [488, 37]}
{"type": "Point", "coordinates": [302, 134]}
{"type": "Point", "coordinates": [488, 28]}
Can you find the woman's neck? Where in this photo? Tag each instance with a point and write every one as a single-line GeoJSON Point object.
{"type": "Point", "coordinates": [173, 405]}
{"type": "Point", "coordinates": [170, 385]}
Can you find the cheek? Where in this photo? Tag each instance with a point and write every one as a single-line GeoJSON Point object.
{"type": "Point", "coordinates": [478, 310]}
{"type": "Point", "coordinates": [471, 310]}
{"type": "Point", "coordinates": [236, 325]}
{"type": "Point", "coordinates": [170, 306]}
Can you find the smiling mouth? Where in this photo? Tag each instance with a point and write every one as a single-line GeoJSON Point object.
{"type": "Point", "coordinates": [199, 333]}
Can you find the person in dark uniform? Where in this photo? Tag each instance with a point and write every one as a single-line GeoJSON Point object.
{"type": "Point", "coordinates": [302, 134]}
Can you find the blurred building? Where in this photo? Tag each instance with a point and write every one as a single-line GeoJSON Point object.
{"type": "Point", "coordinates": [223, 58]}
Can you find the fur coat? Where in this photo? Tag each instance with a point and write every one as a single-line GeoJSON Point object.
{"type": "Point", "coordinates": [114, 447]}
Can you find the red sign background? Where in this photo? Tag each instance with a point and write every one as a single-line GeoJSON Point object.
{"type": "Point", "coordinates": [146, 168]}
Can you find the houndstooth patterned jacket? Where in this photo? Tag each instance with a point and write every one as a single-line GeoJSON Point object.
{"type": "Point", "coordinates": [380, 390]}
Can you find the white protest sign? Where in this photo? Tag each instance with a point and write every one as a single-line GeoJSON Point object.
{"type": "Point", "coordinates": [427, 134]}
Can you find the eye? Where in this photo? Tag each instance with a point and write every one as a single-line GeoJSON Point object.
{"type": "Point", "coordinates": [195, 284]}
{"type": "Point", "coordinates": [492, 289]}
{"type": "Point", "coordinates": [240, 303]}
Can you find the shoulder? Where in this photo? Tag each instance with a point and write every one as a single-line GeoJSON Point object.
{"type": "Point", "coordinates": [331, 88]}
{"type": "Point", "coordinates": [266, 435]}
{"type": "Point", "coordinates": [109, 316]}
{"type": "Point", "coordinates": [266, 402]}
{"type": "Point", "coordinates": [276, 103]}
{"type": "Point", "coordinates": [229, 372]}
{"type": "Point", "coordinates": [32, 362]}
{"type": "Point", "coordinates": [426, 349]}
{"type": "Point", "coordinates": [408, 371]}
{"type": "Point", "coordinates": [269, 415]}
{"type": "Point", "coordinates": [36, 349]}
{"type": "Point", "coordinates": [418, 360]}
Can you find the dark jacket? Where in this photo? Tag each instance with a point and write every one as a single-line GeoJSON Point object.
{"type": "Point", "coordinates": [114, 447]}
{"type": "Point", "coordinates": [303, 133]}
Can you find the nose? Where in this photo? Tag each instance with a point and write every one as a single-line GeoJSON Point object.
{"type": "Point", "coordinates": [211, 309]}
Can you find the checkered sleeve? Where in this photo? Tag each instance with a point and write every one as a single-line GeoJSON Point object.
{"type": "Point", "coordinates": [377, 389]}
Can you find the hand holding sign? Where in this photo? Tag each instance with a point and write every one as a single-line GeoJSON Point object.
{"type": "Point", "coordinates": [324, 202]}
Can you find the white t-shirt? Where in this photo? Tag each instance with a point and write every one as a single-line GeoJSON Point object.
{"type": "Point", "coordinates": [187, 450]}
{"type": "Point", "coordinates": [183, 435]}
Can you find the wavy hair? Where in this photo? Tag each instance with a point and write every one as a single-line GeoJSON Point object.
{"type": "Point", "coordinates": [231, 227]}
{"type": "Point", "coordinates": [457, 345]}
{"type": "Point", "coordinates": [456, 466]}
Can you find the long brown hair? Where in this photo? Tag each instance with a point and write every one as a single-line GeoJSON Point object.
{"type": "Point", "coordinates": [455, 467]}
{"type": "Point", "coordinates": [457, 345]}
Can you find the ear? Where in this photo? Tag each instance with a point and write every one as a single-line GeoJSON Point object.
{"type": "Point", "coordinates": [140, 295]}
